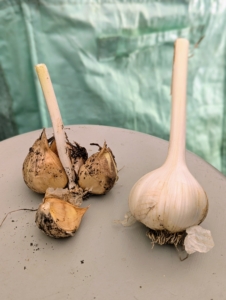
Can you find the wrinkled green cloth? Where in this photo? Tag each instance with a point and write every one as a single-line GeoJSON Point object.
{"type": "Point", "coordinates": [111, 62]}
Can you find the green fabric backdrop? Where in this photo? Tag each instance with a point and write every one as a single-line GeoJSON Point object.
{"type": "Point", "coordinates": [110, 64]}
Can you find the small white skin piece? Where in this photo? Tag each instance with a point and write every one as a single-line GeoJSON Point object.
{"type": "Point", "coordinates": [198, 239]}
{"type": "Point", "coordinates": [128, 220]}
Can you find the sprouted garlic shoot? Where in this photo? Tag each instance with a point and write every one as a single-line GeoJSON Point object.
{"type": "Point", "coordinates": [58, 126]}
{"type": "Point", "coordinates": [169, 200]}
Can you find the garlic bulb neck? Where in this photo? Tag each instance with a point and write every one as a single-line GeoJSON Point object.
{"type": "Point", "coordinates": [177, 142]}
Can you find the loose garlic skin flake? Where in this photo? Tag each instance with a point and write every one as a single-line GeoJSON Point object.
{"type": "Point", "coordinates": [42, 167]}
{"type": "Point", "coordinates": [168, 199]}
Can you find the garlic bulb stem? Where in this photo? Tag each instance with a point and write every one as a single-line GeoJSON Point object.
{"type": "Point", "coordinates": [177, 143]}
{"type": "Point", "coordinates": [58, 126]}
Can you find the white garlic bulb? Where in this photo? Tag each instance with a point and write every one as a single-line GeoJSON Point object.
{"type": "Point", "coordinates": [169, 200]}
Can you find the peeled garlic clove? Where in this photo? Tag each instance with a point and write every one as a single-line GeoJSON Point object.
{"type": "Point", "coordinates": [99, 174]}
{"type": "Point", "coordinates": [42, 167]}
{"type": "Point", "coordinates": [58, 218]}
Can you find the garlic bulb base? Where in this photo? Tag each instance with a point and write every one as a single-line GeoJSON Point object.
{"type": "Point", "coordinates": [162, 237]}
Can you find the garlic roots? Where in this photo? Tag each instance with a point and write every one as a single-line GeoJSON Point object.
{"type": "Point", "coordinates": [42, 168]}
{"type": "Point", "coordinates": [99, 173]}
{"type": "Point", "coordinates": [58, 218]}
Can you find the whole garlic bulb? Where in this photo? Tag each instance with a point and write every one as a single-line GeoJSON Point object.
{"type": "Point", "coordinates": [169, 198]}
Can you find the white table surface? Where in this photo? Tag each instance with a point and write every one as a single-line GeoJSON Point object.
{"type": "Point", "coordinates": [104, 260]}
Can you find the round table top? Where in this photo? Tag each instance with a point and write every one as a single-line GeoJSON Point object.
{"type": "Point", "coordinates": [105, 260]}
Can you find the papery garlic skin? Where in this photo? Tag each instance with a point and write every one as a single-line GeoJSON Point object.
{"type": "Point", "coordinates": [42, 167]}
{"type": "Point", "coordinates": [168, 199]}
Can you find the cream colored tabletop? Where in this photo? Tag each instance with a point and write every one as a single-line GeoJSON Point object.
{"type": "Point", "coordinates": [104, 260]}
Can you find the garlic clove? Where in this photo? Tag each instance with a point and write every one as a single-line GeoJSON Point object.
{"type": "Point", "coordinates": [99, 173]}
{"type": "Point", "coordinates": [42, 167]}
{"type": "Point", "coordinates": [58, 218]}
